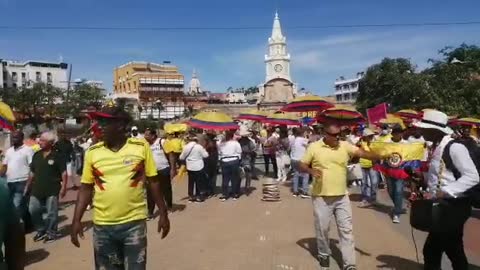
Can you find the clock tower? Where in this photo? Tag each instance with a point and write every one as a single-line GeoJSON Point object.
{"type": "Point", "coordinates": [278, 87]}
{"type": "Point", "coordinates": [277, 60]}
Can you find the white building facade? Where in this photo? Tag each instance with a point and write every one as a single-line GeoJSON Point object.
{"type": "Point", "coordinates": [25, 74]}
{"type": "Point", "coordinates": [278, 86]}
{"type": "Point", "coordinates": [346, 90]}
{"type": "Point", "coordinates": [236, 97]}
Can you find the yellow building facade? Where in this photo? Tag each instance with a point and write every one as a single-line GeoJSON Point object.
{"type": "Point", "coordinates": [148, 84]}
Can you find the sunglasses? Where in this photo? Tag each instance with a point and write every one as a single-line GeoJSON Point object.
{"type": "Point", "coordinates": [334, 135]}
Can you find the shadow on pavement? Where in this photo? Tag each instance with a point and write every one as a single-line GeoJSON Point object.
{"type": "Point", "coordinates": [355, 197]}
{"type": "Point", "coordinates": [310, 245]}
{"type": "Point", "coordinates": [66, 204]}
{"type": "Point", "coordinates": [178, 207]}
{"type": "Point", "coordinates": [35, 256]}
{"type": "Point", "coordinates": [397, 263]}
{"type": "Point", "coordinates": [66, 230]}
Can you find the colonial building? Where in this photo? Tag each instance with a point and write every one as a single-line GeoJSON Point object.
{"type": "Point", "coordinates": [155, 90]}
{"type": "Point", "coordinates": [346, 90]}
{"type": "Point", "coordinates": [25, 74]}
{"type": "Point", "coordinates": [278, 87]}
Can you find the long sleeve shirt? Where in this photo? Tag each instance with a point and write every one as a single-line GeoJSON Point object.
{"type": "Point", "coordinates": [193, 154]}
{"type": "Point", "coordinates": [440, 177]}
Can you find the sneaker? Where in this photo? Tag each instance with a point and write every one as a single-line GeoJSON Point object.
{"type": "Point", "coordinates": [364, 204]}
{"type": "Point", "coordinates": [295, 194]}
{"type": "Point", "coordinates": [354, 184]}
{"type": "Point", "coordinates": [324, 262]}
{"type": "Point", "coordinates": [190, 200]}
{"type": "Point", "coordinates": [350, 267]}
{"type": "Point", "coordinates": [396, 219]}
{"type": "Point", "coordinates": [305, 196]}
{"type": "Point", "coordinates": [199, 200]}
{"type": "Point", "coordinates": [49, 239]}
{"type": "Point", "coordinates": [236, 197]}
{"type": "Point", "coordinates": [223, 198]}
{"type": "Point", "coordinates": [39, 237]}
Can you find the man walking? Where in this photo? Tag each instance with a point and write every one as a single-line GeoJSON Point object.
{"type": "Point", "coordinates": [299, 147]}
{"type": "Point", "coordinates": [453, 179]}
{"type": "Point", "coordinates": [118, 169]}
{"type": "Point", "coordinates": [326, 160]}
{"type": "Point", "coordinates": [16, 167]}
{"type": "Point", "coordinates": [164, 171]}
{"type": "Point", "coordinates": [47, 181]}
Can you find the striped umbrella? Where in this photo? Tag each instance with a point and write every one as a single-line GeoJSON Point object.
{"type": "Point", "coordinates": [392, 120]}
{"type": "Point", "coordinates": [306, 104]}
{"type": "Point", "coordinates": [341, 114]}
{"type": "Point", "coordinates": [252, 114]}
{"type": "Point", "coordinates": [408, 114]}
{"type": "Point", "coordinates": [6, 116]}
{"type": "Point", "coordinates": [212, 121]}
{"type": "Point", "coordinates": [468, 121]}
{"type": "Point", "coordinates": [283, 118]}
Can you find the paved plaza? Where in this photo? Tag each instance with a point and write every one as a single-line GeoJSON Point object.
{"type": "Point", "coordinates": [254, 235]}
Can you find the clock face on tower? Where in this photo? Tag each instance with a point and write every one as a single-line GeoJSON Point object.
{"type": "Point", "coordinates": [278, 68]}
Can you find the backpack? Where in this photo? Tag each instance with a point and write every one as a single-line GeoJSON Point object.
{"type": "Point", "coordinates": [474, 150]}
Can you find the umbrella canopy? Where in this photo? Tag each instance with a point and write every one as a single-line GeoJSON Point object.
{"type": "Point", "coordinates": [252, 114]}
{"type": "Point", "coordinates": [6, 116]}
{"type": "Point", "coordinates": [392, 120]}
{"type": "Point", "coordinates": [408, 114]}
{"type": "Point", "coordinates": [306, 104]}
{"type": "Point", "coordinates": [212, 121]}
{"type": "Point", "coordinates": [342, 114]}
{"type": "Point", "coordinates": [468, 121]}
{"type": "Point", "coordinates": [283, 118]}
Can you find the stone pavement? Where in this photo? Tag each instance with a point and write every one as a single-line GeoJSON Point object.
{"type": "Point", "coordinates": [254, 235]}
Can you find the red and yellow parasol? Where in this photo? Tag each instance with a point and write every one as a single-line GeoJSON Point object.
{"type": "Point", "coordinates": [283, 118]}
{"type": "Point", "coordinates": [408, 114]}
{"type": "Point", "coordinates": [467, 121]}
{"type": "Point", "coordinates": [307, 104]}
{"type": "Point", "coordinates": [252, 114]}
{"type": "Point", "coordinates": [341, 114]}
{"type": "Point", "coordinates": [212, 121]}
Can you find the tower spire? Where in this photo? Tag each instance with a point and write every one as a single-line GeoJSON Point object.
{"type": "Point", "coordinates": [277, 28]}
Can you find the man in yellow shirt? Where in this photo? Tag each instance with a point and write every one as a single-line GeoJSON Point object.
{"type": "Point", "coordinates": [118, 169]}
{"type": "Point", "coordinates": [326, 160]}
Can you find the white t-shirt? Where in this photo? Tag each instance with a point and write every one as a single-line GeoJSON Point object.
{"type": "Point", "coordinates": [18, 163]}
{"type": "Point", "coordinates": [161, 161]}
{"type": "Point", "coordinates": [193, 153]}
{"type": "Point", "coordinates": [298, 148]}
{"type": "Point", "coordinates": [229, 151]}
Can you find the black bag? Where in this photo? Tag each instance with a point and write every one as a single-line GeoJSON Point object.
{"type": "Point", "coordinates": [474, 150]}
{"type": "Point", "coordinates": [443, 215]}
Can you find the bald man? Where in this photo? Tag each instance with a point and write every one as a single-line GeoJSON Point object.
{"type": "Point", "coordinates": [326, 160]}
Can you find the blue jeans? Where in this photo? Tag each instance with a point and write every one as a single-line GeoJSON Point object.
{"type": "Point", "coordinates": [296, 177]}
{"type": "Point", "coordinates": [37, 207]}
{"type": "Point", "coordinates": [369, 184]}
{"type": "Point", "coordinates": [395, 190]}
{"type": "Point", "coordinates": [123, 246]}
{"type": "Point", "coordinates": [19, 201]}
{"type": "Point", "coordinates": [231, 174]}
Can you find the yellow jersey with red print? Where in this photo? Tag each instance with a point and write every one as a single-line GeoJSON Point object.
{"type": "Point", "coordinates": [119, 180]}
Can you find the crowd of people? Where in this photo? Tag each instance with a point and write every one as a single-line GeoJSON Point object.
{"type": "Point", "coordinates": [126, 174]}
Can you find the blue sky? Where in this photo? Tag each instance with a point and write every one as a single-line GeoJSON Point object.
{"type": "Point", "coordinates": [226, 58]}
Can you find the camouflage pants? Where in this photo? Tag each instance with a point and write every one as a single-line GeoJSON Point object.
{"type": "Point", "coordinates": [119, 247]}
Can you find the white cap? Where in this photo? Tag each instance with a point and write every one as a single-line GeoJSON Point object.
{"type": "Point", "coordinates": [134, 128]}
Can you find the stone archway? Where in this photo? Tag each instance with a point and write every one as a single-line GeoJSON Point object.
{"type": "Point", "coordinates": [278, 90]}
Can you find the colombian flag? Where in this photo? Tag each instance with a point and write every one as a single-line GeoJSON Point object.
{"type": "Point", "coordinates": [6, 116]}
{"type": "Point", "coordinates": [401, 155]}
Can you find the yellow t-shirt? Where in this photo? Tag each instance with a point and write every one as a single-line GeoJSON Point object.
{"type": "Point", "coordinates": [119, 179]}
{"type": "Point", "coordinates": [174, 145]}
{"type": "Point", "coordinates": [333, 164]}
{"type": "Point", "coordinates": [384, 138]}
{"type": "Point", "coordinates": [365, 163]}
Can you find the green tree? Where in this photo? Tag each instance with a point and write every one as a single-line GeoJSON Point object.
{"type": "Point", "coordinates": [82, 97]}
{"type": "Point", "coordinates": [395, 82]}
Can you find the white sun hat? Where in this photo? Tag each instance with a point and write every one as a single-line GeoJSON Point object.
{"type": "Point", "coordinates": [435, 120]}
